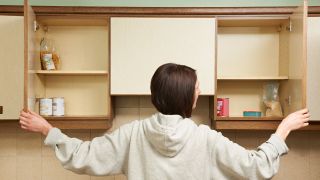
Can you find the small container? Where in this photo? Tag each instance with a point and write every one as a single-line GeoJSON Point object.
{"type": "Point", "coordinates": [46, 107]}
{"type": "Point", "coordinates": [223, 107]}
{"type": "Point", "coordinates": [48, 62]}
{"type": "Point", "coordinates": [46, 55]}
{"type": "Point", "coordinates": [58, 106]}
{"type": "Point", "coordinates": [252, 113]}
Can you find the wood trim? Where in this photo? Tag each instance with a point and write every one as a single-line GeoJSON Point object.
{"type": "Point", "coordinates": [258, 125]}
{"type": "Point", "coordinates": [25, 82]}
{"type": "Point", "coordinates": [246, 125]}
{"type": "Point", "coordinates": [253, 78]}
{"type": "Point", "coordinates": [92, 125]}
{"type": "Point", "coordinates": [313, 11]}
{"type": "Point", "coordinates": [72, 73]}
{"type": "Point", "coordinates": [249, 118]}
{"type": "Point", "coordinates": [112, 99]}
{"type": "Point", "coordinates": [18, 10]}
{"type": "Point", "coordinates": [82, 124]}
{"type": "Point", "coordinates": [151, 10]}
{"type": "Point", "coordinates": [214, 103]}
{"type": "Point", "coordinates": [164, 10]}
{"type": "Point", "coordinates": [304, 53]}
{"type": "Point", "coordinates": [12, 10]}
{"type": "Point", "coordinates": [77, 118]}
{"type": "Point", "coordinates": [314, 15]}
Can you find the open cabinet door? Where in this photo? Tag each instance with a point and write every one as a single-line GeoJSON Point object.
{"type": "Point", "coordinates": [313, 68]}
{"type": "Point", "coordinates": [29, 57]}
{"type": "Point", "coordinates": [11, 66]}
{"type": "Point", "coordinates": [296, 97]}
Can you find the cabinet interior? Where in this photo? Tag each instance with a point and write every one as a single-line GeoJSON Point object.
{"type": "Point", "coordinates": [82, 78]}
{"type": "Point", "coordinates": [252, 51]}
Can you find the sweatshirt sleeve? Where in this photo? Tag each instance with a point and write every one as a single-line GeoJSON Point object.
{"type": "Point", "coordinates": [103, 155]}
{"type": "Point", "coordinates": [232, 159]}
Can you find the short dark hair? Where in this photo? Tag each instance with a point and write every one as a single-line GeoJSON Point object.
{"type": "Point", "coordinates": [172, 89]}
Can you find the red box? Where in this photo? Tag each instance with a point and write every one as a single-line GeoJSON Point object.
{"type": "Point", "coordinates": [222, 107]}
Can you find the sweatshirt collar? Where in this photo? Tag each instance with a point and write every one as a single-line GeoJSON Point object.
{"type": "Point", "coordinates": [169, 120]}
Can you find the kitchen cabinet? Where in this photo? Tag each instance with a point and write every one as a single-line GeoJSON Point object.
{"type": "Point", "coordinates": [112, 51]}
{"type": "Point", "coordinates": [254, 51]}
{"type": "Point", "coordinates": [139, 45]}
{"type": "Point", "coordinates": [11, 67]}
{"type": "Point", "coordinates": [83, 77]}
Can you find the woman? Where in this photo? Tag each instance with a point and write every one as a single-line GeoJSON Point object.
{"type": "Point", "coordinates": [168, 145]}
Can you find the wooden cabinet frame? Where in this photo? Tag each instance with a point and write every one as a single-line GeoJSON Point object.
{"type": "Point", "coordinates": [129, 11]}
{"type": "Point", "coordinates": [294, 88]}
{"type": "Point", "coordinates": [11, 68]}
{"type": "Point", "coordinates": [44, 84]}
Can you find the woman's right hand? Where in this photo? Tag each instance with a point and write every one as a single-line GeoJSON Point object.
{"type": "Point", "coordinates": [292, 122]}
{"type": "Point", "coordinates": [31, 121]}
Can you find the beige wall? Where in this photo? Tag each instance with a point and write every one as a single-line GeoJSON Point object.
{"type": "Point", "coordinates": [24, 157]}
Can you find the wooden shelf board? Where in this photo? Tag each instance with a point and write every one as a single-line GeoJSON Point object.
{"type": "Point", "coordinates": [246, 125]}
{"type": "Point", "coordinates": [82, 20]}
{"type": "Point", "coordinates": [251, 21]}
{"type": "Point", "coordinates": [77, 118]}
{"type": "Point", "coordinates": [80, 122]}
{"type": "Point", "coordinates": [257, 125]}
{"type": "Point", "coordinates": [250, 118]}
{"type": "Point", "coordinates": [255, 78]}
{"type": "Point", "coordinates": [64, 72]}
{"type": "Point", "coordinates": [107, 124]}
{"type": "Point", "coordinates": [67, 124]}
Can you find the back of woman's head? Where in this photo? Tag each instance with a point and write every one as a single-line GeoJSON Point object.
{"type": "Point", "coordinates": [172, 89]}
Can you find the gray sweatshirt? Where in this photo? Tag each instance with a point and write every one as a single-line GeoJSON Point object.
{"type": "Point", "coordinates": [167, 147]}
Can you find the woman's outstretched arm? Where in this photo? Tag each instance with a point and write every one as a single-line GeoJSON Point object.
{"type": "Point", "coordinates": [232, 160]}
{"type": "Point", "coordinates": [103, 155]}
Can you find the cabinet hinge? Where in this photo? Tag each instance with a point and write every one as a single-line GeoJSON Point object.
{"type": "Point", "coordinates": [35, 26]}
{"type": "Point", "coordinates": [288, 100]}
{"type": "Point", "coordinates": [289, 27]}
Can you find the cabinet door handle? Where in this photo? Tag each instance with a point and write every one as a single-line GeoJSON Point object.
{"type": "Point", "coordinates": [1, 109]}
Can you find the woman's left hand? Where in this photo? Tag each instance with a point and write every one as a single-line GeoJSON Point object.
{"type": "Point", "coordinates": [293, 121]}
{"type": "Point", "coordinates": [31, 121]}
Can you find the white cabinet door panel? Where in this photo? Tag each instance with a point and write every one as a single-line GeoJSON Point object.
{"type": "Point", "coordinates": [11, 66]}
{"type": "Point", "coordinates": [313, 68]}
{"type": "Point", "coordinates": [140, 45]}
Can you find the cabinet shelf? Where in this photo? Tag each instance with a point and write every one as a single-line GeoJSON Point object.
{"type": "Point", "coordinates": [78, 118]}
{"type": "Point", "coordinates": [240, 123]}
{"type": "Point", "coordinates": [75, 21]}
{"type": "Point", "coordinates": [247, 123]}
{"type": "Point", "coordinates": [80, 122]}
{"type": "Point", "coordinates": [251, 21]}
{"type": "Point", "coordinates": [255, 78]}
{"type": "Point", "coordinates": [250, 118]}
{"type": "Point", "coordinates": [75, 73]}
